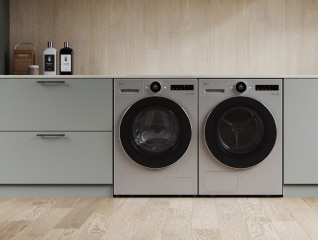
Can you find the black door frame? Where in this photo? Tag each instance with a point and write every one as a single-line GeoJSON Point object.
{"type": "Point", "coordinates": [236, 160]}
{"type": "Point", "coordinates": [155, 160]}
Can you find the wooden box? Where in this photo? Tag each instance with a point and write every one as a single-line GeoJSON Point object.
{"type": "Point", "coordinates": [23, 58]}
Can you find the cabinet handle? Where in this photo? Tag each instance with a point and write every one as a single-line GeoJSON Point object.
{"type": "Point", "coordinates": [50, 82]}
{"type": "Point", "coordinates": [50, 135]}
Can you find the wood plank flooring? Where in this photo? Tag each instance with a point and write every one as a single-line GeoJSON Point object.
{"type": "Point", "coordinates": [158, 218]}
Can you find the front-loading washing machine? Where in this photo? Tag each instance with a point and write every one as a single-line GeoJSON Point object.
{"type": "Point", "coordinates": [240, 137]}
{"type": "Point", "coordinates": [155, 137]}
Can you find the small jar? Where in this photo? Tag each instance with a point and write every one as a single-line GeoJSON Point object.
{"type": "Point", "coordinates": [33, 70]}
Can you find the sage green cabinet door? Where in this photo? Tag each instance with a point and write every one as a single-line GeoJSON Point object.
{"type": "Point", "coordinates": [56, 158]}
{"type": "Point", "coordinates": [43, 104]}
{"type": "Point", "coordinates": [300, 131]}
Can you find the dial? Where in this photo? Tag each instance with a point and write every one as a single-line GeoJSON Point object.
{"type": "Point", "coordinates": [241, 87]}
{"type": "Point", "coordinates": [155, 87]}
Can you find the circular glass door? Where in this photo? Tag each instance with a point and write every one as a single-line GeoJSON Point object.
{"type": "Point", "coordinates": [240, 132]}
{"type": "Point", "coordinates": [155, 132]}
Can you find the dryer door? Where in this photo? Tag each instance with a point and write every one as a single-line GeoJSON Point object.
{"type": "Point", "coordinates": [240, 132]}
{"type": "Point", "coordinates": [155, 132]}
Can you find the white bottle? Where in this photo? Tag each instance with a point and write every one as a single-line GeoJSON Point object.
{"type": "Point", "coordinates": [49, 60]}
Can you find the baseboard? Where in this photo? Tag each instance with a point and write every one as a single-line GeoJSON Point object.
{"type": "Point", "coordinates": [300, 190]}
{"type": "Point", "coordinates": [107, 191]}
{"type": "Point", "coordinates": [56, 190]}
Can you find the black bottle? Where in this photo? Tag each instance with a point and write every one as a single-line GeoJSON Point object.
{"type": "Point", "coordinates": [66, 60]}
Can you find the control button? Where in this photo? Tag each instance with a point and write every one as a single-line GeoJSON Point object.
{"type": "Point", "coordinates": [241, 87]}
{"type": "Point", "coordinates": [155, 87]}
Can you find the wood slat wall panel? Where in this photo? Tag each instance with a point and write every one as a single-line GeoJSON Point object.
{"type": "Point", "coordinates": [178, 37]}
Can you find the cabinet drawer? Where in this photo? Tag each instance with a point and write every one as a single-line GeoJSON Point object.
{"type": "Point", "coordinates": [45, 104]}
{"type": "Point", "coordinates": [56, 158]}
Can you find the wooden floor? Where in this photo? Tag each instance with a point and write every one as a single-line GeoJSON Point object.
{"type": "Point", "coordinates": [159, 218]}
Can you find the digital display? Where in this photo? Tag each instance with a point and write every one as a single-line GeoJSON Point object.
{"type": "Point", "coordinates": [182, 87]}
{"type": "Point", "coordinates": [267, 87]}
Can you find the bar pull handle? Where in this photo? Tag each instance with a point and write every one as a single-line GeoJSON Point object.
{"type": "Point", "coordinates": [50, 82]}
{"type": "Point", "coordinates": [49, 135]}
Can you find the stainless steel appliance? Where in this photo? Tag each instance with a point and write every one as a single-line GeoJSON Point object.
{"type": "Point", "coordinates": [155, 136]}
{"type": "Point", "coordinates": [240, 136]}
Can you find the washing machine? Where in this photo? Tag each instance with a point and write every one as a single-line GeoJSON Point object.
{"type": "Point", "coordinates": [155, 137]}
{"type": "Point", "coordinates": [240, 137]}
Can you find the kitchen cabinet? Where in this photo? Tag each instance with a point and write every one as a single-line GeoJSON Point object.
{"type": "Point", "coordinates": [300, 131]}
{"type": "Point", "coordinates": [56, 158]}
{"type": "Point", "coordinates": [56, 130]}
{"type": "Point", "coordinates": [55, 104]}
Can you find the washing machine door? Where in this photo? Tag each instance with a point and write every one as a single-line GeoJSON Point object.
{"type": "Point", "coordinates": [240, 132]}
{"type": "Point", "coordinates": [155, 132]}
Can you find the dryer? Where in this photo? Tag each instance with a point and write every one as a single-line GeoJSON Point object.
{"type": "Point", "coordinates": [155, 137]}
{"type": "Point", "coordinates": [240, 137]}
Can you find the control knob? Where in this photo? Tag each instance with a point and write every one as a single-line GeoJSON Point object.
{"type": "Point", "coordinates": [155, 87]}
{"type": "Point", "coordinates": [241, 87]}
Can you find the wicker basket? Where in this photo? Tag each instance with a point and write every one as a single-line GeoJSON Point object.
{"type": "Point", "coordinates": [23, 58]}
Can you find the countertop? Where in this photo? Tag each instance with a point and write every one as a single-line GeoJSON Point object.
{"type": "Point", "coordinates": [159, 76]}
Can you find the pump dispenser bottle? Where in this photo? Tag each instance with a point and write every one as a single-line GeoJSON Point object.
{"type": "Point", "coordinates": [49, 60]}
{"type": "Point", "coordinates": [66, 60]}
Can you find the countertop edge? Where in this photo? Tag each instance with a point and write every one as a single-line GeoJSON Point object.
{"type": "Point", "coordinates": [157, 76]}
